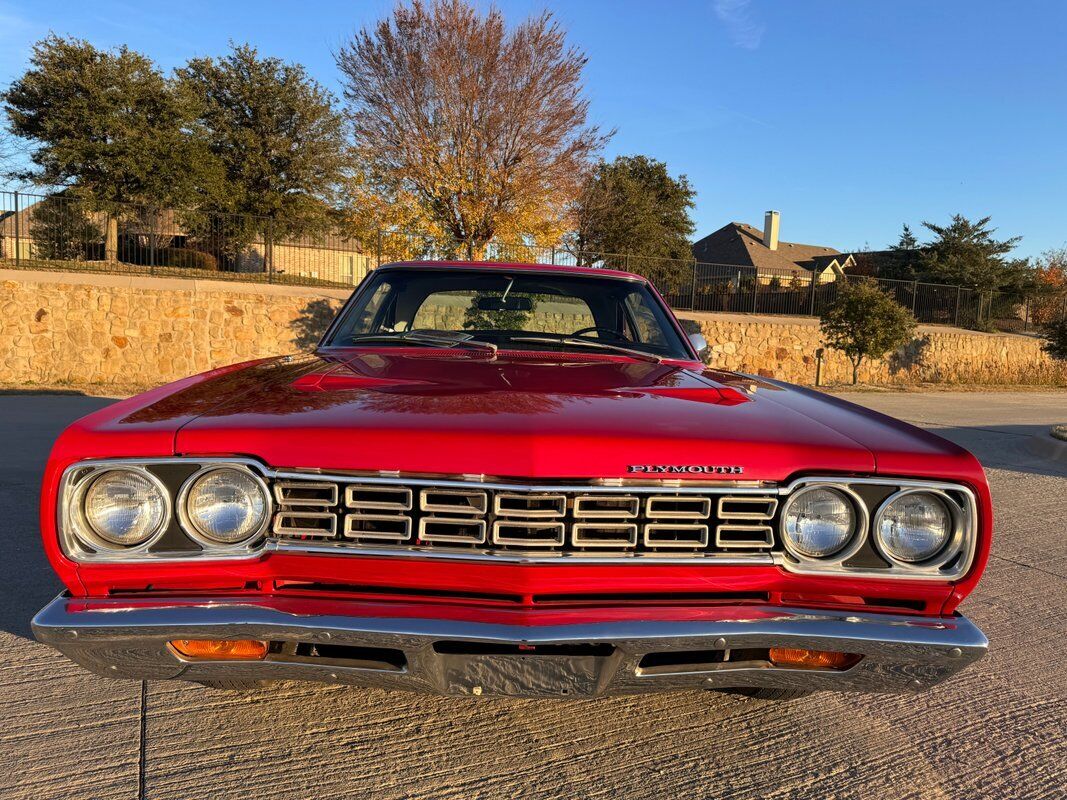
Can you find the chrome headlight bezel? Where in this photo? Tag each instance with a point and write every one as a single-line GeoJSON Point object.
{"type": "Point", "coordinates": [194, 532]}
{"type": "Point", "coordinates": [860, 524]}
{"type": "Point", "coordinates": [951, 563]}
{"type": "Point", "coordinates": [80, 547]}
{"type": "Point", "coordinates": [83, 530]}
{"type": "Point", "coordinates": [948, 549]}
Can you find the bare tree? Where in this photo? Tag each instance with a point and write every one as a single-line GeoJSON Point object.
{"type": "Point", "coordinates": [486, 127]}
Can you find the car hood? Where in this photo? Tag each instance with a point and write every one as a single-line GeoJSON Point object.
{"type": "Point", "coordinates": [518, 415]}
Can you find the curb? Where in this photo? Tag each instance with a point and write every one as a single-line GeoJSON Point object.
{"type": "Point", "coordinates": [1048, 447]}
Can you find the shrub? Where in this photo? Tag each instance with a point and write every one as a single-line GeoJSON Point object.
{"type": "Point", "coordinates": [62, 230]}
{"type": "Point", "coordinates": [187, 258]}
{"type": "Point", "coordinates": [1055, 336]}
{"type": "Point", "coordinates": [865, 322]}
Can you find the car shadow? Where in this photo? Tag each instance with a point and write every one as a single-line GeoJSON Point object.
{"type": "Point", "coordinates": [1007, 447]}
{"type": "Point", "coordinates": [30, 421]}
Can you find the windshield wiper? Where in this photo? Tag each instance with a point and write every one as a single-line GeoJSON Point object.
{"type": "Point", "coordinates": [427, 339]}
{"type": "Point", "coordinates": [574, 342]}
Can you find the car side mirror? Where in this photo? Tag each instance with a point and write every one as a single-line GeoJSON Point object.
{"type": "Point", "coordinates": [699, 344]}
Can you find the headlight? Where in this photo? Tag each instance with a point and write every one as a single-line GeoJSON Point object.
{"type": "Point", "coordinates": [124, 508]}
{"type": "Point", "coordinates": [913, 526]}
{"type": "Point", "coordinates": [225, 506]}
{"type": "Point", "coordinates": [818, 522]}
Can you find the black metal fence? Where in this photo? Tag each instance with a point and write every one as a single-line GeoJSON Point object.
{"type": "Point", "coordinates": [57, 232]}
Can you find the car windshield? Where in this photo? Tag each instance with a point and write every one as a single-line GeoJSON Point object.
{"type": "Point", "coordinates": [520, 310]}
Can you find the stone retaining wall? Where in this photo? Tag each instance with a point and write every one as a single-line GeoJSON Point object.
{"type": "Point", "coordinates": [63, 328]}
{"type": "Point", "coordinates": [785, 348]}
{"type": "Point", "coordinates": [58, 328]}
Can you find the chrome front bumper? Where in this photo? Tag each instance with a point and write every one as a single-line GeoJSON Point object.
{"type": "Point", "coordinates": [539, 652]}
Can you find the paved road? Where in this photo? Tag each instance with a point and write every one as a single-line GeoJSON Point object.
{"type": "Point", "coordinates": [999, 730]}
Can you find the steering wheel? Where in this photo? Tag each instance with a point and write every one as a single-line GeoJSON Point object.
{"type": "Point", "coordinates": [596, 328]}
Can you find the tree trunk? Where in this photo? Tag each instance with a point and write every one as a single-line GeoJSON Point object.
{"type": "Point", "coordinates": [855, 372]}
{"type": "Point", "coordinates": [111, 239]}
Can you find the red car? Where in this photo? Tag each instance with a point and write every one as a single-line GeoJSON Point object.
{"type": "Point", "coordinates": [503, 479]}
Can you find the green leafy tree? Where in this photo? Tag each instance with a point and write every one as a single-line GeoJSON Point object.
{"type": "Point", "coordinates": [633, 205]}
{"type": "Point", "coordinates": [108, 125]}
{"type": "Point", "coordinates": [964, 253]}
{"type": "Point", "coordinates": [279, 139]}
{"type": "Point", "coordinates": [907, 240]}
{"type": "Point", "coordinates": [62, 230]}
{"type": "Point", "coordinates": [1055, 335]}
{"type": "Point", "coordinates": [864, 322]}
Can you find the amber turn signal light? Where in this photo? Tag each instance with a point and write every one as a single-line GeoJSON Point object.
{"type": "Point", "coordinates": [221, 649]}
{"type": "Point", "coordinates": [812, 659]}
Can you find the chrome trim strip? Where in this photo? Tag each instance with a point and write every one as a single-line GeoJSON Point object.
{"type": "Point", "coordinates": [556, 541]}
{"type": "Point", "coordinates": [536, 513]}
{"type": "Point", "coordinates": [729, 544]}
{"type": "Point", "coordinates": [632, 512]}
{"type": "Point", "coordinates": [281, 486]}
{"type": "Point", "coordinates": [454, 522]}
{"type": "Point", "coordinates": [350, 533]}
{"type": "Point", "coordinates": [480, 497]}
{"type": "Point", "coordinates": [535, 488]}
{"type": "Point", "coordinates": [578, 529]}
{"type": "Point", "coordinates": [281, 529]}
{"type": "Point", "coordinates": [652, 527]}
{"type": "Point", "coordinates": [704, 513]}
{"type": "Point", "coordinates": [349, 549]}
{"type": "Point", "coordinates": [772, 502]}
{"type": "Point", "coordinates": [378, 505]}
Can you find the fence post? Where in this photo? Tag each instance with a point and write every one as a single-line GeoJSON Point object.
{"type": "Point", "coordinates": [1026, 315]}
{"type": "Point", "coordinates": [378, 246]}
{"type": "Point", "coordinates": [814, 279]}
{"type": "Point", "coordinates": [268, 249]}
{"type": "Point", "coordinates": [553, 256]}
{"type": "Point", "coordinates": [755, 291]}
{"type": "Point", "coordinates": [914, 295]}
{"type": "Point", "coordinates": [18, 247]}
{"type": "Point", "coordinates": [956, 322]}
{"type": "Point", "coordinates": [693, 291]}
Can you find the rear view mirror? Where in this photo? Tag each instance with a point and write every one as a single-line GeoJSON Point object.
{"type": "Point", "coordinates": [517, 303]}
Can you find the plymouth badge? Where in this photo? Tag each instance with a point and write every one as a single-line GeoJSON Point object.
{"type": "Point", "coordinates": [707, 469]}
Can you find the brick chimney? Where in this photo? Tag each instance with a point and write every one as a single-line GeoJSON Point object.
{"type": "Point", "coordinates": [770, 230]}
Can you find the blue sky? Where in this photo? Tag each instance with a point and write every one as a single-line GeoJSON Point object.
{"type": "Point", "coordinates": [850, 118]}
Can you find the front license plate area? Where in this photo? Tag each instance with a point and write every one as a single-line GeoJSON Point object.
{"type": "Point", "coordinates": [521, 674]}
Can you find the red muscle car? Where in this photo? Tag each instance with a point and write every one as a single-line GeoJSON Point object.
{"type": "Point", "coordinates": [503, 479]}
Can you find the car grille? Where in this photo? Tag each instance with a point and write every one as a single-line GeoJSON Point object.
{"type": "Point", "coordinates": [475, 518]}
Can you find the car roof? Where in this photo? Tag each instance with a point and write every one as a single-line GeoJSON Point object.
{"type": "Point", "coordinates": [501, 266]}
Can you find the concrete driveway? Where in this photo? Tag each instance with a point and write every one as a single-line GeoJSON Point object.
{"type": "Point", "coordinates": [998, 730]}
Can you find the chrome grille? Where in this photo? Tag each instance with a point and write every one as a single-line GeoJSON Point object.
{"type": "Point", "coordinates": [648, 520]}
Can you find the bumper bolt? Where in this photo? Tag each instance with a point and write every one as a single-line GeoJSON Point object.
{"type": "Point", "coordinates": [720, 643]}
{"type": "Point", "coordinates": [955, 652]}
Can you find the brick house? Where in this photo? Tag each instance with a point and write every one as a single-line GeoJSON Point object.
{"type": "Point", "coordinates": [742, 245]}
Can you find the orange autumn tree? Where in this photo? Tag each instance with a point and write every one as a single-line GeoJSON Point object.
{"type": "Point", "coordinates": [1050, 287]}
{"type": "Point", "coordinates": [482, 128]}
